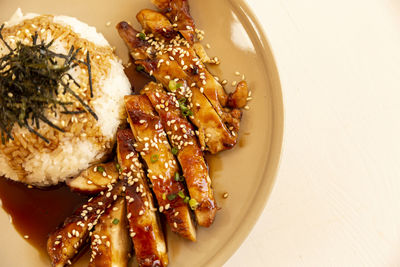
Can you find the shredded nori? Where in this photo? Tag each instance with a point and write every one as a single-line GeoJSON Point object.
{"type": "Point", "coordinates": [31, 79]}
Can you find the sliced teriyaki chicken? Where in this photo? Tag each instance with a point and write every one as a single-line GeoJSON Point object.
{"type": "Point", "coordinates": [157, 23]}
{"type": "Point", "coordinates": [238, 99]}
{"type": "Point", "coordinates": [144, 226]}
{"type": "Point", "coordinates": [197, 73]}
{"type": "Point", "coordinates": [66, 241]}
{"type": "Point", "coordinates": [95, 178]}
{"type": "Point", "coordinates": [213, 133]}
{"type": "Point", "coordinates": [183, 139]}
{"type": "Point", "coordinates": [178, 12]}
{"type": "Point", "coordinates": [153, 146]}
{"type": "Point", "coordinates": [110, 244]}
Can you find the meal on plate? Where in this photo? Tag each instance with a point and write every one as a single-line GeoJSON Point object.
{"type": "Point", "coordinates": [69, 116]}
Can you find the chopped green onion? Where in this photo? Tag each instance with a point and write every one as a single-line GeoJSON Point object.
{"type": "Point", "coordinates": [193, 203]}
{"type": "Point", "coordinates": [154, 158]}
{"type": "Point", "coordinates": [139, 68]}
{"type": "Point", "coordinates": [174, 151]}
{"type": "Point", "coordinates": [182, 101]}
{"type": "Point", "coordinates": [171, 196]}
{"type": "Point", "coordinates": [181, 194]}
{"type": "Point", "coordinates": [173, 86]}
{"type": "Point", "coordinates": [187, 113]}
{"type": "Point", "coordinates": [100, 169]}
{"type": "Point", "coordinates": [177, 178]}
{"type": "Point", "coordinates": [118, 167]}
{"type": "Point", "coordinates": [115, 221]}
{"type": "Point", "coordinates": [186, 199]}
{"type": "Point", "coordinates": [184, 108]}
{"type": "Point", "coordinates": [142, 36]}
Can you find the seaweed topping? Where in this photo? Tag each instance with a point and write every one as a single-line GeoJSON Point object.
{"type": "Point", "coordinates": [32, 79]}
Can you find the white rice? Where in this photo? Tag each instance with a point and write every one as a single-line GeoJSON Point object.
{"type": "Point", "coordinates": [74, 154]}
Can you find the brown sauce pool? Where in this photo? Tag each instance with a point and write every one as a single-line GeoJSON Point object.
{"type": "Point", "coordinates": [137, 79]}
{"type": "Point", "coordinates": [37, 212]}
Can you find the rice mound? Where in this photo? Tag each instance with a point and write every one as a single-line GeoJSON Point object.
{"type": "Point", "coordinates": [28, 158]}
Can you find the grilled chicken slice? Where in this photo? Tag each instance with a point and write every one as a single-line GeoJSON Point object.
{"type": "Point", "coordinates": [213, 133]}
{"type": "Point", "coordinates": [178, 12]}
{"type": "Point", "coordinates": [201, 53]}
{"type": "Point", "coordinates": [136, 43]}
{"type": "Point", "coordinates": [157, 23]}
{"type": "Point", "coordinates": [152, 143]}
{"type": "Point", "coordinates": [144, 225]}
{"type": "Point", "coordinates": [95, 178]}
{"type": "Point", "coordinates": [238, 99]}
{"type": "Point", "coordinates": [65, 242]}
{"type": "Point", "coordinates": [183, 138]}
{"type": "Point", "coordinates": [186, 55]}
{"type": "Point", "coordinates": [110, 243]}
{"type": "Point", "coordinates": [208, 121]}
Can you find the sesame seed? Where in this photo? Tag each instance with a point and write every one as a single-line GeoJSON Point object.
{"type": "Point", "coordinates": [108, 24]}
{"type": "Point", "coordinates": [246, 107]}
{"type": "Point", "coordinates": [26, 236]}
{"type": "Point", "coordinates": [234, 83]}
{"type": "Point", "coordinates": [237, 73]}
{"type": "Point", "coordinates": [225, 195]}
{"type": "Point", "coordinates": [141, 212]}
{"type": "Point", "coordinates": [208, 46]}
{"type": "Point", "coordinates": [175, 225]}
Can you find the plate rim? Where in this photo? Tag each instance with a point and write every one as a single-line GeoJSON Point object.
{"type": "Point", "coordinates": [272, 164]}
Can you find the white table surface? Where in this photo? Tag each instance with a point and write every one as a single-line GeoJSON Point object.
{"type": "Point", "coordinates": [336, 201]}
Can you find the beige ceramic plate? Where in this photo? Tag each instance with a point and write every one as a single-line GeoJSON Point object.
{"type": "Point", "coordinates": [246, 172]}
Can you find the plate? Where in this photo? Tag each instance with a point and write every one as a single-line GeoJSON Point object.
{"type": "Point", "coordinates": [246, 172]}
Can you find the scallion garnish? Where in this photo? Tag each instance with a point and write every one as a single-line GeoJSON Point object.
{"type": "Point", "coordinates": [171, 196]}
{"type": "Point", "coordinates": [173, 86]}
{"type": "Point", "coordinates": [142, 36]}
{"type": "Point", "coordinates": [184, 108]}
{"type": "Point", "coordinates": [100, 169]}
{"type": "Point", "coordinates": [115, 221]}
{"type": "Point", "coordinates": [118, 167]}
{"type": "Point", "coordinates": [186, 199]}
{"type": "Point", "coordinates": [139, 68]}
{"type": "Point", "coordinates": [181, 194]}
{"type": "Point", "coordinates": [193, 203]}
{"type": "Point", "coordinates": [154, 158]}
{"type": "Point", "coordinates": [174, 151]}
